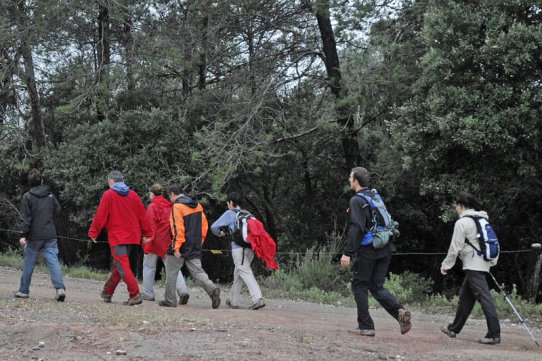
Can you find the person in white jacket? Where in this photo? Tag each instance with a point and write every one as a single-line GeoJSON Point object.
{"type": "Point", "coordinates": [474, 287]}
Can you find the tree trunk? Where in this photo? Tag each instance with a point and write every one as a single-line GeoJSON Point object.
{"type": "Point", "coordinates": [103, 59]}
{"type": "Point", "coordinates": [7, 96]}
{"type": "Point", "coordinates": [36, 130]}
{"type": "Point", "coordinates": [202, 66]}
{"type": "Point", "coordinates": [345, 114]}
{"type": "Point", "coordinates": [128, 42]}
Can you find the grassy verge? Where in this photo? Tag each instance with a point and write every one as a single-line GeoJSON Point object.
{"type": "Point", "coordinates": [14, 259]}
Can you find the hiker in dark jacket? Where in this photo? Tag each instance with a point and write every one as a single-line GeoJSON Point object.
{"type": "Point", "coordinates": [38, 208]}
{"type": "Point", "coordinates": [369, 265]}
{"type": "Point", "coordinates": [189, 228]}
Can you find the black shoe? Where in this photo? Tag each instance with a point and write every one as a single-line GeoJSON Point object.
{"type": "Point", "coordinates": [490, 340]}
{"type": "Point", "coordinates": [165, 304]}
{"type": "Point", "coordinates": [257, 305]}
{"type": "Point", "coordinates": [183, 298]}
{"type": "Point", "coordinates": [60, 295]}
{"type": "Point", "coordinates": [215, 298]}
{"type": "Point", "coordinates": [106, 297]}
{"type": "Point", "coordinates": [450, 334]}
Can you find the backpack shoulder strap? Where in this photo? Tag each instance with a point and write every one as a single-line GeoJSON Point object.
{"type": "Point", "coordinates": [478, 231]}
{"type": "Point", "coordinates": [367, 199]}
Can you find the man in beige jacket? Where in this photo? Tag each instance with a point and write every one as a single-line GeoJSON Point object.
{"type": "Point", "coordinates": [474, 287]}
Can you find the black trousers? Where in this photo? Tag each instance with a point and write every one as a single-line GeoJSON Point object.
{"type": "Point", "coordinates": [369, 274]}
{"type": "Point", "coordinates": [475, 288]}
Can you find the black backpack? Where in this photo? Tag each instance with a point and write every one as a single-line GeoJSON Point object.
{"type": "Point", "coordinates": [241, 230]}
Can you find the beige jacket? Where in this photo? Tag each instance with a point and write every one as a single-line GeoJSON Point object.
{"type": "Point", "coordinates": [465, 227]}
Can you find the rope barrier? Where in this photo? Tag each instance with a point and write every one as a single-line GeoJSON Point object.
{"type": "Point", "coordinates": [221, 251]}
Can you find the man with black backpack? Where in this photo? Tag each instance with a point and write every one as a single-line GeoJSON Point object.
{"type": "Point", "coordinates": [370, 254]}
{"type": "Point", "coordinates": [242, 254]}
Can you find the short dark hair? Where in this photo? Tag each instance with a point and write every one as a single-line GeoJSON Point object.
{"type": "Point", "coordinates": [156, 189]}
{"type": "Point", "coordinates": [34, 177]}
{"type": "Point", "coordinates": [235, 198]}
{"type": "Point", "coordinates": [468, 201]}
{"type": "Point", "coordinates": [362, 176]}
{"type": "Point", "coordinates": [176, 189]}
{"type": "Point", "coordinates": [115, 176]}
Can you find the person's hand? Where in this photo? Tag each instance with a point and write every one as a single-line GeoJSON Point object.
{"type": "Point", "coordinates": [22, 241]}
{"type": "Point", "coordinates": [146, 240]}
{"type": "Point", "coordinates": [443, 271]}
{"type": "Point", "coordinates": [221, 234]}
{"type": "Point", "coordinates": [177, 254]}
{"type": "Point", "coordinates": [345, 261]}
{"type": "Point", "coordinates": [93, 240]}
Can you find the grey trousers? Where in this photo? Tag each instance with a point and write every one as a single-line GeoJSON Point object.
{"type": "Point", "coordinates": [173, 266]}
{"type": "Point", "coordinates": [242, 275]}
{"type": "Point", "coordinates": [149, 271]}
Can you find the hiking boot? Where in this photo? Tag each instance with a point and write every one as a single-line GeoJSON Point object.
{"type": "Point", "coordinates": [60, 295]}
{"type": "Point", "coordinates": [228, 303]}
{"type": "Point", "coordinates": [165, 304]}
{"type": "Point", "coordinates": [106, 297]}
{"type": "Point", "coordinates": [404, 321]}
{"type": "Point", "coordinates": [257, 305]}
{"type": "Point", "coordinates": [146, 297]}
{"type": "Point", "coordinates": [215, 298]}
{"type": "Point", "coordinates": [359, 332]}
{"type": "Point", "coordinates": [490, 340]}
{"type": "Point", "coordinates": [21, 295]}
{"type": "Point", "coordinates": [450, 334]}
{"type": "Point", "coordinates": [183, 298]}
{"type": "Point", "coordinates": [132, 301]}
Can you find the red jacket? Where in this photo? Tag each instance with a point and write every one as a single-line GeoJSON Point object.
{"type": "Point", "coordinates": [262, 244]}
{"type": "Point", "coordinates": [158, 214]}
{"type": "Point", "coordinates": [123, 217]}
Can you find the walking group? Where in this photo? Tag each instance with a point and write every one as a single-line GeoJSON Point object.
{"type": "Point", "coordinates": [175, 230]}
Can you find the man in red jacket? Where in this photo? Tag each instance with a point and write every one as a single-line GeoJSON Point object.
{"type": "Point", "coordinates": [122, 213]}
{"type": "Point", "coordinates": [158, 213]}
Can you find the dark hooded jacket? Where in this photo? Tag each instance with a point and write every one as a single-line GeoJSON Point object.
{"type": "Point", "coordinates": [188, 227]}
{"type": "Point", "coordinates": [38, 208]}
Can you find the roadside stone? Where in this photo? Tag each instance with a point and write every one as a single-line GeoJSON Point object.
{"type": "Point", "coordinates": [120, 352]}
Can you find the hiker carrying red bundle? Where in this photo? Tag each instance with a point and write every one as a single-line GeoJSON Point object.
{"type": "Point", "coordinates": [235, 222]}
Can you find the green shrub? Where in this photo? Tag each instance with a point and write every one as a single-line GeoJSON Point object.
{"type": "Point", "coordinates": [12, 258]}
{"type": "Point", "coordinates": [503, 308]}
{"type": "Point", "coordinates": [410, 288]}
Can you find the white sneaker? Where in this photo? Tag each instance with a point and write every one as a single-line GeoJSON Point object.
{"type": "Point", "coordinates": [21, 295]}
{"type": "Point", "coordinates": [60, 295]}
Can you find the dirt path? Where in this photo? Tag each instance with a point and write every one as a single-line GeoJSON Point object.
{"type": "Point", "coordinates": [84, 328]}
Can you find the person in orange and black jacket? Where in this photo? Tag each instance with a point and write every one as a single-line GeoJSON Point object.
{"type": "Point", "coordinates": [369, 265]}
{"type": "Point", "coordinates": [189, 229]}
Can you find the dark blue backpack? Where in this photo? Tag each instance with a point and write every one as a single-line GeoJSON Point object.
{"type": "Point", "coordinates": [487, 238]}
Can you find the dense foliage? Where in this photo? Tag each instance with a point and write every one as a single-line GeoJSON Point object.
{"type": "Point", "coordinates": [278, 100]}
